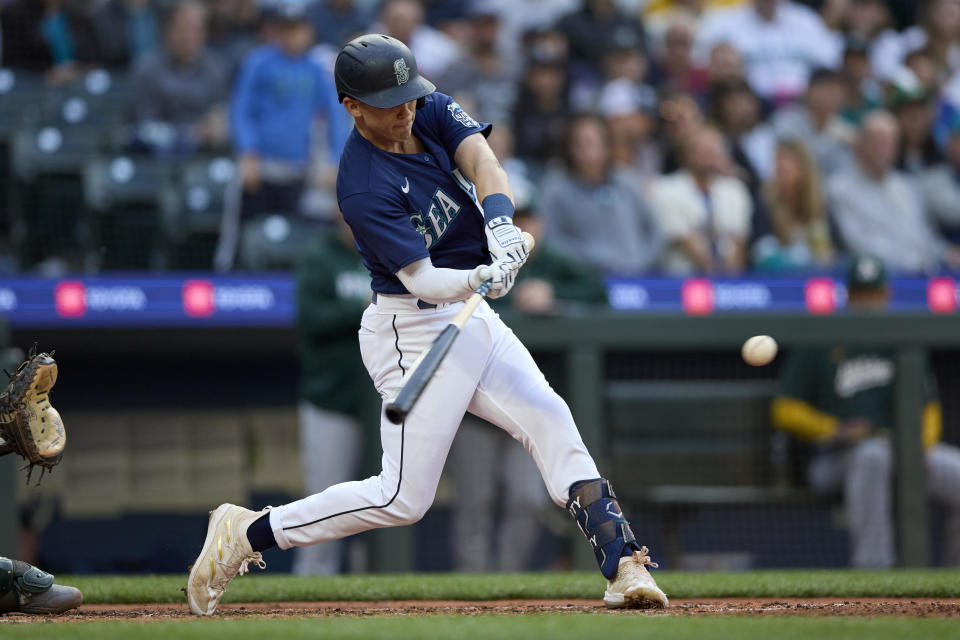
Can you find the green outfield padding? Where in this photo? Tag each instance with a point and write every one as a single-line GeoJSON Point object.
{"type": "Point", "coordinates": [530, 627]}
{"type": "Point", "coordinates": [265, 587]}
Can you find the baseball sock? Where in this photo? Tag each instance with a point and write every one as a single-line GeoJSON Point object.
{"type": "Point", "coordinates": [260, 534]}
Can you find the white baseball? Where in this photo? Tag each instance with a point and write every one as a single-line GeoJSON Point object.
{"type": "Point", "coordinates": [759, 350]}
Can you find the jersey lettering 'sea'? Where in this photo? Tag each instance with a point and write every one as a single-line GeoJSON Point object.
{"type": "Point", "coordinates": [443, 209]}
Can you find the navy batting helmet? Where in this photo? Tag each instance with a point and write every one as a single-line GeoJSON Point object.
{"type": "Point", "coordinates": [379, 71]}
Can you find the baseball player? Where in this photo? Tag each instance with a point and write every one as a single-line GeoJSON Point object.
{"type": "Point", "coordinates": [430, 209]}
{"type": "Point", "coordinates": [32, 428]}
{"type": "Point", "coordinates": [840, 399]}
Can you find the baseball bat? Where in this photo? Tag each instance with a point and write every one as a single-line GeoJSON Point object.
{"type": "Point", "coordinates": [422, 370]}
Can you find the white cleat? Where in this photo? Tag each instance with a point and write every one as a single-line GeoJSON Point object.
{"type": "Point", "coordinates": [634, 586]}
{"type": "Point", "coordinates": [226, 554]}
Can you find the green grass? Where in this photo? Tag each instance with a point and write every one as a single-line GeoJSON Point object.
{"type": "Point", "coordinates": [277, 588]}
{"type": "Point", "coordinates": [551, 627]}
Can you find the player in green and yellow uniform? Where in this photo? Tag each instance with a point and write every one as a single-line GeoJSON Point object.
{"type": "Point", "coordinates": [339, 413]}
{"type": "Point", "coordinates": [841, 400]}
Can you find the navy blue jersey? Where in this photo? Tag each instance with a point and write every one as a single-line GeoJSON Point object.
{"type": "Point", "coordinates": [404, 207]}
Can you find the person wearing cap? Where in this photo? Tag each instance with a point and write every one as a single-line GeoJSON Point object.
{"type": "Point", "coordinates": [337, 412]}
{"type": "Point", "coordinates": [431, 210]}
{"type": "Point", "coordinates": [940, 186]}
{"type": "Point", "coordinates": [279, 93]}
{"type": "Point", "coordinates": [839, 401]}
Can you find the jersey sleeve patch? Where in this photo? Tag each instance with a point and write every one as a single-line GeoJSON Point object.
{"type": "Point", "coordinates": [450, 124]}
{"type": "Point", "coordinates": [457, 113]}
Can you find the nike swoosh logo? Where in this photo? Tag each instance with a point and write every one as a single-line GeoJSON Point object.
{"type": "Point", "coordinates": [406, 185]}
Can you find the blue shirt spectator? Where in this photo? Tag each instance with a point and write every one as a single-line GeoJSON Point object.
{"type": "Point", "coordinates": [277, 96]}
{"type": "Point", "coordinates": [280, 91]}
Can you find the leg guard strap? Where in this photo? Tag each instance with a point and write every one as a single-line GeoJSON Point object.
{"type": "Point", "coordinates": [594, 506]}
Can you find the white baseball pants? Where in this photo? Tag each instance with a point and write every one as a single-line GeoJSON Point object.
{"type": "Point", "coordinates": [865, 472]}
{"type": "Point", "coordinates": [487, 372]}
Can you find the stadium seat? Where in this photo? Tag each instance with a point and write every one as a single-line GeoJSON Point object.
{"type": "Point", "coordinates": [110, 181]}
{"type": "Point", "coordinates": [98, 97]}
{"type": "Point", "coordinates": [191, 210]}
{"type": "Point", "coordinates": [273, 241]}
{"type": "Point", "coordinates": [53, 148]}
{"type": "Point", "coordinates": [20, 91]}
{"type": "Point", "coordinates": [47, 161]}
{"type": "Point", "coordinates": [124, 193]}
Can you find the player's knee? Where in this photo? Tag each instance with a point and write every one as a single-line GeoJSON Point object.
{"type": "Point", "coordinates": [405, 512]}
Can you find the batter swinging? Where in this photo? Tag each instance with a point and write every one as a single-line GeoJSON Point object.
{"type": "Point", "coordinates": [430, 208]}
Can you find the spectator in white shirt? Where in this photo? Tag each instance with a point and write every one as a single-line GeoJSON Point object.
{"type": "Point", "coordinates": [879, 211]}
{"type": "Point", "coordinates": [781, 41]}
{"type": "Point", "coordinates": [703, 212]}
{"type": "Point", "coordinates": [938, 31]}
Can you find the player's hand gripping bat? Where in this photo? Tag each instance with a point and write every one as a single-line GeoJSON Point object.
{"type": "Point", "coordinates": [426, 365]}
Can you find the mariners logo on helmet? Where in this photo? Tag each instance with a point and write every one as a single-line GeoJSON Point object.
{"type": "Point", "coordinates": [401, 70]}
{"type": "Point", "coordinates": [379, 71]}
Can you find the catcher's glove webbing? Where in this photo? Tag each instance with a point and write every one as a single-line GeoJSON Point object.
{"type": "Point", "coordinates": [29, 425]}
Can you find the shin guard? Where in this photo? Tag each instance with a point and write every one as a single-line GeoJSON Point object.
{"type": "Point", "coordinates": [594, 506]}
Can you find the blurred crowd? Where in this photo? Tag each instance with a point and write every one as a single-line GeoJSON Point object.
{"type": "Point", "coordinates": [650, 136]}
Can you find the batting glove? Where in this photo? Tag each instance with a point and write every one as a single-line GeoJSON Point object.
{"type": "Point", "coordinates": [501, 273]}
{"type": "Point", "coordinates": [505, 242]}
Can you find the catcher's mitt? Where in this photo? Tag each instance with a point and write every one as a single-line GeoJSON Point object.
{"type": "Point", "coordinates": [29, 425]}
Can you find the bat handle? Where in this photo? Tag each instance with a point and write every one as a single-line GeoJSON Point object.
{"type": "Point", "coordinates": [484, 288]}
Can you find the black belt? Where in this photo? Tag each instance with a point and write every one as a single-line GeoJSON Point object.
{"type": "Point", "coordinates": [422, 304]}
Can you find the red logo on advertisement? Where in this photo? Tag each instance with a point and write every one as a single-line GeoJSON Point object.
{"type": "Point", "coordinates": [942, 295]}
{"type": "Point", "coordinates": [697, 296]}
{"type": "Point", "coordinates": [70, 299]}
{"type": "Point", "coordinates": [820, 295]}
{"type": "Point", "coordinates": [198, 299]}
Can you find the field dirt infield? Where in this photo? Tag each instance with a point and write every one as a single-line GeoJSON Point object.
{"type": "Point", "coordinates": [901, 607]}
